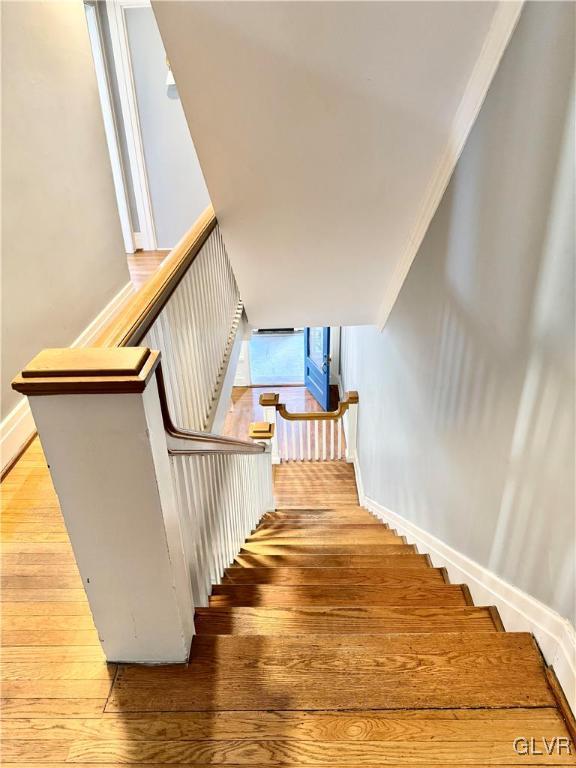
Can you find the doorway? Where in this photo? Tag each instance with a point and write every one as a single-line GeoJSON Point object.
{"type": "Point", "coordinates": [277, 356]}
{"type": "Point", "coordinates": [159, 184]}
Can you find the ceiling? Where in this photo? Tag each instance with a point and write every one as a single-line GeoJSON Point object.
{"type": "Point", "coordinates": [327, 133]}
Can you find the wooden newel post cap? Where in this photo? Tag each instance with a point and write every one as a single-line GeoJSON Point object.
{"type": "Point", "coordinates": [269, 398]}
{"type": "Point", "coordinates": [352, 397]}
{"type": "Point", "coordinates": [87, 370]}
{"type": "Point", "coordinates": [261, 430]}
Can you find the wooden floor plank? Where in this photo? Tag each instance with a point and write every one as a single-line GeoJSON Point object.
{"type": "Point", "coordinates": [51, 670]}
{"type": "Point", "coordinates": [246, 751]}
{"type": "Point", "coordinates": [423, 725]}
{"type": "Point", "coordinates": [56, 637]}
{"type": "Point", "coordinates": [38, 709]}
{"type": "Point", "coordinates": [56, 653]}
{"type": "Point", "coordinates": [45, 608]}
{"type": "Point", "coordinates": [330, 620]}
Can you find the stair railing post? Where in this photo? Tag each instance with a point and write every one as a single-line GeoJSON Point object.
{"type": "Point", "coordinates": [264, 432]}
{"type": "Point", "coordinates": [98, 415]}
{"type": "Point", "coordinates": [351, 426]}
{"type": "Point", "coordinates": [269, 401]}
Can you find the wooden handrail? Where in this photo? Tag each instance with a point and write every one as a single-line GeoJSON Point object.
{"type": "Point", "coordinates": [130, 326]}
{"type": "Point", "coordinates": [271, 399]}
{"type": "Point", "coordinates": [223, 443]}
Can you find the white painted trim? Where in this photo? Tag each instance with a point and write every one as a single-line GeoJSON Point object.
{"type": "Point", "coordinates": [18, 426]}
{"type": "Point", "coordinates": [123, 64]}
{"type": "Point", "coordinates": [520, 612]}
{"type": "Point", "coordinates": [16, 429]}
{"type": "Point", "coordinates": [110, 129]}
{"type": "Point", "coordinates": [503, 24]}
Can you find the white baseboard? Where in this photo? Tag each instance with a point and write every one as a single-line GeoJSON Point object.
{"type": "Point", "coordinates": [18, 427]}
{"type": "Point", "coordinates": [520, 612]}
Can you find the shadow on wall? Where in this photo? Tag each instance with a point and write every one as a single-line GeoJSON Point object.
{"type": "Point", "coordinates": [467, 419]}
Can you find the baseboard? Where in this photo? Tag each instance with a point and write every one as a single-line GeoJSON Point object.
{"type": "Point", "coordinates": [520, 612]}
{"type": "Point", "coordinates": [17, 430]}
{"type": "Point", "coordinates": [18, 427]}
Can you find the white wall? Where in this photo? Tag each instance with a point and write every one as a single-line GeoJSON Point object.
{"type": "Point", "coordinates": [63, 254]}
{"type": "Point", "coordinates": [177, 186]}
{"type": "Point", "coordinates": [466, 417]}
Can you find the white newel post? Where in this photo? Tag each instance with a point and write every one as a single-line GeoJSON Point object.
{"type": "Point", "coordinates": [263, 432]}
{"type": "Point", "coordinates": [269, 401]}
{"type": "Point", "coordinates": [351, 426]}
{"type": "Point", "coordinates": [98, 416]}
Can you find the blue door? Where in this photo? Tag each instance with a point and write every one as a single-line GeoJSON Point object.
{"type": "Point", "coordinates": [317, 364]}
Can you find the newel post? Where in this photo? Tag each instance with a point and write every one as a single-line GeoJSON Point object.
{"type": "Point", "coordinates": [351, 426]}
{"type": "Point", "coordinates": [97, 413]}
{"type": "Point", "coordinates": [269, 401]}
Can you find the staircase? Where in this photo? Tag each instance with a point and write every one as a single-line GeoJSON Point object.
{"type": "Point", "coordinates": [332, 641]}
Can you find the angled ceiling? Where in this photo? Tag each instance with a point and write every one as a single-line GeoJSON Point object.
{"type": "Point", "coordinates": [327, 133]}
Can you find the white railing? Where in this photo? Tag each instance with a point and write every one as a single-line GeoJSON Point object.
{"type": "Point", "coordinates": [195, 331]}
{"type": "Point", "coordinates": [220, 496]}
{"type": "Point", "coordinates": [311, 436]}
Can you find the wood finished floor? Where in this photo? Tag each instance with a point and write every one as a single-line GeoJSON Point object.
{"type": "Point", "coordinates": [143, 264]}
{"type": "Point", "coordinates": [385, 664]}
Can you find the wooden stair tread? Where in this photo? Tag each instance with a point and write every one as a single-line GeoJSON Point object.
{"type": "Point", "coordinates": [337, 522]}
{"type": "Point", "coordinates": [473, 669]}
{"type": "Point", "coordinates": [303, 548]}
{"type": "Point", "coordinates": [333, 620]}
{"type": "Point", "coordinates": [330, 539]}
{"type": "Point", "coordinates": [364, 533]}
{"type": "Point", "coordinates": [266, 595]}
{"type": "Point", "coordinates": [408, 560]}
{"type": "Point", "coordinates": [334, 576]}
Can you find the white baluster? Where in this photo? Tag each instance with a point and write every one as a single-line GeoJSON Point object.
{"type": "Point", "coordinates": [352, 427]}
{"type": "Point", "coordinates": [324, 440]}
{"type": "Point", "coordinates": [285, 435]}
{"type": "Point", "coordinates": [309, 452]}
{"type": "Point", "coordinates": [293, 439]}
{"type": "Point", "coordinates": [340, 438]}
{"type": "Point", "coordinates": [316, 442]}
{"type": "Point", "coordinates": [332, 439]}
{"type": "Point", "coordinates": [269, 413]}
{"type": "Point", "coordinates": [300, 434]}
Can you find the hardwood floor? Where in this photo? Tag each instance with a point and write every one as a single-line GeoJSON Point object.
{"type": "Point", "coordinates": [143, 264]}
{"type": "Point", "coordinates": [330, 642]}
